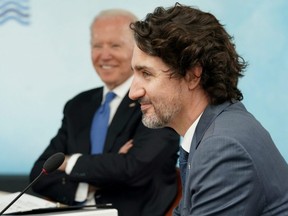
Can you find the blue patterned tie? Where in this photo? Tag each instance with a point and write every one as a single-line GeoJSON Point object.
{"type": "Point", "coordinates": [100, 125]}
{"type": "Point", "coordinates": [183, 160]}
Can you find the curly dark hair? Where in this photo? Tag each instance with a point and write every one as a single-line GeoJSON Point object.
{"type": "Point", "coordinates": [184, 37]}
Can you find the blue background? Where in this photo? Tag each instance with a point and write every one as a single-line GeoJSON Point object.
{"type": "Point", "coordinates": [45, 60]}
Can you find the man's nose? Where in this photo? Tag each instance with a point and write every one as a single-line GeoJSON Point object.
{"type": "Point", "coordinates": [105, 53]}
{"type": "Point", "coordinates": [136, 91]}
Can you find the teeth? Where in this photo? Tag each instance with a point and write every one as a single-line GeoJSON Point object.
{"type": "Point", "coordinates": [106, 66]}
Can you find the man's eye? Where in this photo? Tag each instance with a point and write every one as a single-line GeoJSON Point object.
{"type": "Point", "coordinates": [97, 46]}
{"type": "Point", "coordinates": [115, 45]}
{"type": "Point", "coordinates": [145, 74]}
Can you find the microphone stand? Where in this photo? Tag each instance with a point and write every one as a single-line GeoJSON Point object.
{"type": "Point", "coordinates": [51, 164]}
{"type": "Point", "coordinates": [19, 195]}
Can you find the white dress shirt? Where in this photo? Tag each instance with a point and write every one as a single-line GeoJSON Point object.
{"type": "Point", "coordinates": [187, 139]}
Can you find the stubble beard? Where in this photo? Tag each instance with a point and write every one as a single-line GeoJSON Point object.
{"type": "Point", "coordinates": [162, 115]}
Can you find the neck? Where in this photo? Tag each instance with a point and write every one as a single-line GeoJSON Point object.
{"type": "Point", "coordinates": [189, 113]}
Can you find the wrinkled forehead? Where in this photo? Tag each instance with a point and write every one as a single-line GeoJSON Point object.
{"type": "Point", "coordinates": [112, 29]}
{"type": "Point", "coordinates": [116, 21]}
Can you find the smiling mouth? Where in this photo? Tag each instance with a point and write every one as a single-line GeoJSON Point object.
{"type": "Point", "coordinates": [107, 67]}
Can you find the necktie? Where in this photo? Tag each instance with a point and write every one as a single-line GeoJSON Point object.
{"type": "Point", "coordinates": [183, 159]}
{"type": "Point", "coordinates": [100, 125]}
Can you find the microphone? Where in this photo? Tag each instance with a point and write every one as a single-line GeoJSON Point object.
{"type": "Point", "coordinates": [51, 164]}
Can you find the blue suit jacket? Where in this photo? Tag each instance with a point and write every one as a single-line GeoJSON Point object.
{"type": "Point", "coordinates": [233, 168]}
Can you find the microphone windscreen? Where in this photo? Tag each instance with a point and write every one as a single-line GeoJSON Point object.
{"type": "Point", "coordinates": [53, 162]}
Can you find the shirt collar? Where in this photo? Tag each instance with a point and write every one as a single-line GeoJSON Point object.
{"type": "Point", "coordinates": [187, 139]}
{"type": "Point", "coordinates": [120, 90]}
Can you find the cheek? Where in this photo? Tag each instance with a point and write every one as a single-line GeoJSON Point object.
{"type": "Point", "coordinates": [167, 94]}
{"type": "Point", "coordinates": [156, 94]}
{"type": "Point", "coordinates": [96, 53]}
{"type": "Point", "coordinates": [123, 54]}
{"type": "Point", "coordinates": [94, 56]}
{"type": "Point", "coordinates": [125, 59]}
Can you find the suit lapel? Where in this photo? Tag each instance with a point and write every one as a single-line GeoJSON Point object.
{"type": "Point", "coordinates": [94, 104]}
{"type": "Point", "coordinates": [124, 112]}
{"type": "Point", "coordinates": [89, 107]}
{"type": "Point", "coordinates": [209, 116]}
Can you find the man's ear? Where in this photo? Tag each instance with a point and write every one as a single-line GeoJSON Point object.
{"type": "Point", "coordinates": [193, 76]}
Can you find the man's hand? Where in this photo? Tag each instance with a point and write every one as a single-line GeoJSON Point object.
{"type": "Point", "coordinates": [126, 147]}
{"type": "Point", "coordinates": [64, 164]}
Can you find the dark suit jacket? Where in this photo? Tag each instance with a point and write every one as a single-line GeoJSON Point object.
{"type": "Point", "coordinates": [234, 168]}
{"type": "Point", "coordinates": [141, 182]}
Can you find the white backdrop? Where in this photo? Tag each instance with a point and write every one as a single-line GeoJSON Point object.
{"type": "Point", "coordinates": [45, 60]}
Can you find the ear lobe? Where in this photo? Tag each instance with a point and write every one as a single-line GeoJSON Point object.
{"type": "Point", "coordinates": [193, 77]}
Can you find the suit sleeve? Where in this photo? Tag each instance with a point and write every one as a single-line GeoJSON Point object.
{"type": "Point", "coordinates": [152, 148]}
{"type": "Point", "coordinates": [153, 152]}
{"type": "Point", "coordinates": [222, 180]}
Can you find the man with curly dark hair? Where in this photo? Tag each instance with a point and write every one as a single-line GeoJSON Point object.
{"type": "Point", "coordinates": [186, 71]}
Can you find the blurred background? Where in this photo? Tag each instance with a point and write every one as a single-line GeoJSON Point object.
{"type": "Point", "coordinates": [45, 60]}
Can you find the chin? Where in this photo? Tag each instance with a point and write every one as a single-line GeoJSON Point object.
{"type": "Point", "coordinates": [151, 121]}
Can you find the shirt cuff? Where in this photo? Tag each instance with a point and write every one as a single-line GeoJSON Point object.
{"type": "Point", "coordinates": [71, 163]}
{"type": "Point", "coordinates": [81, 192]}
{"type": "Point", "coordinates": [82, 189]}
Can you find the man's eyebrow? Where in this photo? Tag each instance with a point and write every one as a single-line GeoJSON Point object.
{"type": "Point", "coordinates": [140, 67]}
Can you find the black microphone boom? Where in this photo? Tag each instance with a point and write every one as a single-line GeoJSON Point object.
{"type": "Point", "coordinates": [51, 164]}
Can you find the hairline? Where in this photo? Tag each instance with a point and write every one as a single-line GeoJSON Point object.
{"type": "Point", "coordinates": [114, 13]}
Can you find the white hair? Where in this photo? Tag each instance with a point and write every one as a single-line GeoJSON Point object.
{"type": "Point", "coordinates": [114, 13]}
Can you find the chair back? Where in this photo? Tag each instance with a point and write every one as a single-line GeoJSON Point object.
{"type": "Point", "coordinates": [178, 195]}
